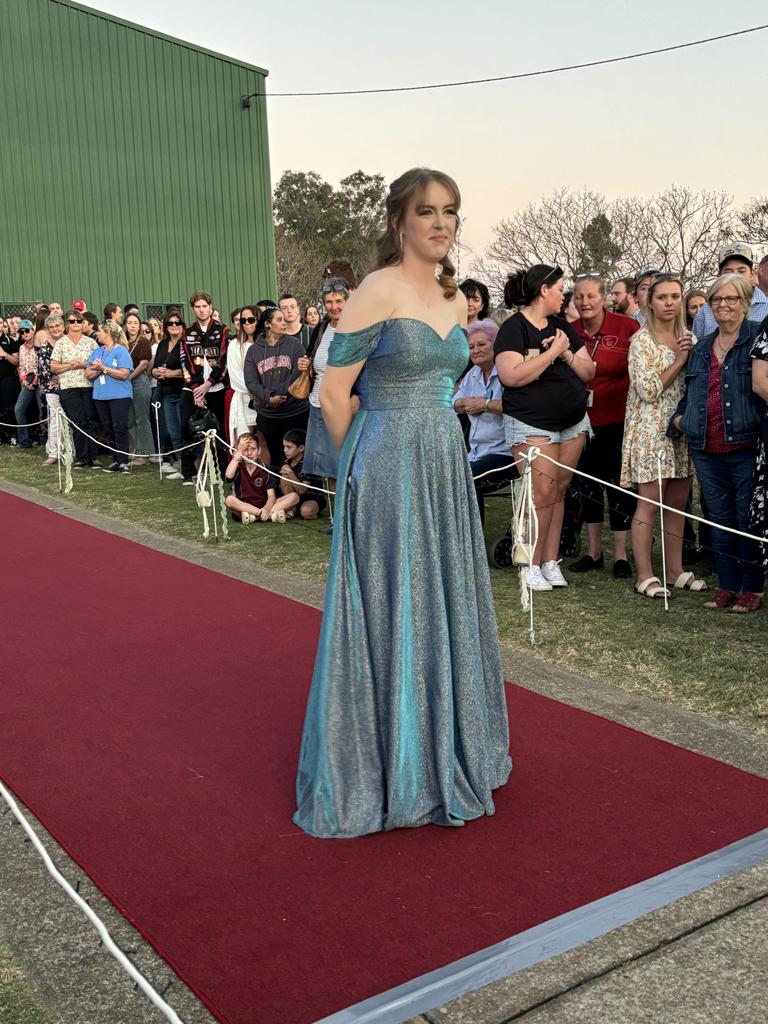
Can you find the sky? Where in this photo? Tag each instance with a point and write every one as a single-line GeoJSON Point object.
{"type": "Point", "coordinates": [688, 117]}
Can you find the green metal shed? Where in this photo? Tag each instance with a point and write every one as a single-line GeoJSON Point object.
{"type": "Point", "coordinates": [129, 170]}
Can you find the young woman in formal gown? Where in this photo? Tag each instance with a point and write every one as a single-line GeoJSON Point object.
{"type": "Point", "coordinates": [407, 720]}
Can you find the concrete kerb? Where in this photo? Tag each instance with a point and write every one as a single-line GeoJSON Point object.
{"type": "Point", "coordinates": [68, 943]}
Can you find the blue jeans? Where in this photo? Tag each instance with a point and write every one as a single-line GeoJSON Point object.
{"type": "Point", "coordinates": [23, 402]}
{"type": "Point", "coordinates": [171, 413]}
{"type": "Point", "coordinates": [726, 484]}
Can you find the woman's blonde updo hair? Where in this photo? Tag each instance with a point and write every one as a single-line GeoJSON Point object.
{"type": "Point", "coordinates": [406, 189]}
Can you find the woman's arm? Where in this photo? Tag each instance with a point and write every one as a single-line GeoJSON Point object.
{"type": "Point", "coordinates": [516, 372]}
{"type": "Point", "coordinates": [138, 369]}
{"type": "Point", "coordinates": [760, 378]}
{"type": "Point", "coordinates": [581, 364]}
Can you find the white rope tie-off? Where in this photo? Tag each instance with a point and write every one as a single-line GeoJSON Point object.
{"type": "Point", "coordinates": [109, 943]}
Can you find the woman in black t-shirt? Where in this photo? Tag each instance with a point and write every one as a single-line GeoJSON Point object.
{"type": "Point", "coordinates": [544, 367]}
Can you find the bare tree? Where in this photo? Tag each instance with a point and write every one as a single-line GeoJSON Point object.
{"type": "Point", "coordinates": [678, 230]}
{"type": "Point", "coordinates": [753, 221]}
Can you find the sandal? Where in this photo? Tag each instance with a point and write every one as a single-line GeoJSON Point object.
{"type": "Point", "coordinates": [688, 581]}
{"type": "Point", "coordinates": [722, 599]}
{"type": "Point", "coordinates": [247, 517]}
{"type": "Point", "coordinates": [747, 602]}
{"type": "Point", "coordinates": [652, 588]}
{"type": "Point", "coordinates": [278, 516]}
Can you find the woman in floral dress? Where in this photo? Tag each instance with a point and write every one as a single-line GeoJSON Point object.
{"type": "Point", "coordinates": [657, 357]}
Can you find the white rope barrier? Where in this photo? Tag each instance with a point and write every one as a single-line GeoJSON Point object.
{"type": "Point", "coordinates": [168, 1012]}
{"type": "Point", "coordinates": [499, 469]}
{"type": "Point", "coordinates": [652, 501]}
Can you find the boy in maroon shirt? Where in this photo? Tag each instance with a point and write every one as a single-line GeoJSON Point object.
{"type": "Point", "coordinates": [254, 493]}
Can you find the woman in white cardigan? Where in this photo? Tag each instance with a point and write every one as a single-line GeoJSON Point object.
{"type": "Point", "coordinates": [242, 418]}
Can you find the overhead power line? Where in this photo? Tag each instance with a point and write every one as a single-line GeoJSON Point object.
{"type": "Point", "coordinates": [245, 100]}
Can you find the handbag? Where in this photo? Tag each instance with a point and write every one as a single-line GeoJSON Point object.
{"type": "Point", "coordinates": [302, 386]}
{"type": "Point", "coordinates": [202, 420]}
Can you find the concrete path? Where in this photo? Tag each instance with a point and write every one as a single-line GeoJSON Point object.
{"type": "Point", "coordinates": [702, 958]}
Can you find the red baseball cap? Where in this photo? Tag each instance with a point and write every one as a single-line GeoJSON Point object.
{"type": "Point", "coordinates": [79, 305]}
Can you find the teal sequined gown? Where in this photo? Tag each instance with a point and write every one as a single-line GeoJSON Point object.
{"type": "Point", "coordinates": [407, 721]}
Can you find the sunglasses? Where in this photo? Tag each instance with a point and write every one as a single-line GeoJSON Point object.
{"type": "Point", "coordinates": [247, 319]}
{"type": "Point", "coordinates": [336, 284]}
{"type": "Point", "coordinates": [24, 330]}
{"type": "Point", "coordinates": [74, 320]}
{"type": "Point", "coordinates": [173, 323]}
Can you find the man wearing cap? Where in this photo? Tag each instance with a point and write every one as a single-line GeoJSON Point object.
{"type": "Point", "coordinates": [734, 258]}
{"type": "Point", "coordinates": [643, 280]}
{"type": "Point", "coordinates": [79, 306]}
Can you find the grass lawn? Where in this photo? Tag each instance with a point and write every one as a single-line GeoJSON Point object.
{"type": "Point", "coordinates": [711, 662]}
{"type": "Point", "coordinates": [18, 1004]}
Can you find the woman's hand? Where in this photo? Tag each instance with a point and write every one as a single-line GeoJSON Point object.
{"type": "Point", "coordinates": [302, 363]}
{"type": "Point", "coordinates": [557, 344]}
{"type": "Point", "coordinates": [683, 346]}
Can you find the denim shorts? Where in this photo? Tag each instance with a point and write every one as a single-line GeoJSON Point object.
{"type": "Point", "coordinates": [517, 432]}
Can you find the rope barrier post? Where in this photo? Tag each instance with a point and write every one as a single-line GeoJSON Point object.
{"type": "Point", "coordinates": [533, 538]}
{"type": "Point", "coordinates": [660, 458]}
{"type": "Point", "coordinates": [326, 481]}
{"type": "Point", "coordinates": [156, 407]}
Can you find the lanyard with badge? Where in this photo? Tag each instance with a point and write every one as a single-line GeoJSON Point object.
{"type": "Point", "coordinates": [592, 354]}
{"type": "Point", "coordinates": [103, 376]}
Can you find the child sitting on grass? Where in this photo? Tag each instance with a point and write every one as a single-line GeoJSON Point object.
{"type": "Point", "coordinates": [293, 491]}
{"type": "Point", "coordinates": [254, 494]}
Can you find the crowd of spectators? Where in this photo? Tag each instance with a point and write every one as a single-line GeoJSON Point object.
{"type": "Point", "coordinates": [638, 387]}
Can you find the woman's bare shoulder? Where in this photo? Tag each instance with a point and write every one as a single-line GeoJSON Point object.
{"type": "Point", "coordinates": [375, 300]}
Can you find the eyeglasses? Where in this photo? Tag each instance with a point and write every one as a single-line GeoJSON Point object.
{"type": "Point", "coordinates": [24, 330]}
{"type": "Point", "coordinates": [173, 323]}
{"type": "Point", "coordinates": [724, 300]}
{"type": "Point", "coordinates": [247, 319]}
{"type": "Point", "coordinates": [74, 320]}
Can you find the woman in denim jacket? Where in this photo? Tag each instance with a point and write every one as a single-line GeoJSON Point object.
{"type": "Point", "coordinates": [720, 415]}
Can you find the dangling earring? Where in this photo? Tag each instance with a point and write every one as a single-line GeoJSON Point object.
{"type": "Point", "coordinates": [402, 243]}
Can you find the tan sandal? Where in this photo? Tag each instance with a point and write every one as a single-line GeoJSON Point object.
{"type": "Point", "coordinates": [278, 516]}
{"type": "Point", "coordinates": [247, 517]}
{"type": "Point", "coordinates": [688, 581]}
{"type": "Point", "coordinates": [652, 588]}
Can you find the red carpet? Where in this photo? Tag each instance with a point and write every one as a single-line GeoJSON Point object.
{"type": "Point", "coordinates": [150, 716]}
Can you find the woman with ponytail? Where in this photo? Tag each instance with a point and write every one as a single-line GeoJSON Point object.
{"type": "Point", "coordinates": [544, 367]}
{"type": "Point", "coordinates": [407, 721]}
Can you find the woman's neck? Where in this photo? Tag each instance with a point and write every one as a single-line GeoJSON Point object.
{"type": "Point", "coordinates": [272, 339]}
{"type": "Point", "coordinates": [594, 323]}
{"type": "Point", "coordinates": [420, 274]}
{"type": "Point", "coordinates": [729, 331]}
{"type": "Point", "coordinates": [108, 344]}
{"type": "Point", "coordinates": [535, 313]}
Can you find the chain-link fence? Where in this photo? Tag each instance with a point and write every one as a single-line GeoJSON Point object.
{"type": "Point", "coordinates": [26, 310]}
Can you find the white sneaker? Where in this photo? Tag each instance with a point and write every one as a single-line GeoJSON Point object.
{"type": "Point", "coordinates": [551, 573]}
{"type": "Point", "coordinates": [534, 578]}
{"type": "Point", "coordinates": [167, 469]}
{"type": "Point", "coordinates": [173, 475]}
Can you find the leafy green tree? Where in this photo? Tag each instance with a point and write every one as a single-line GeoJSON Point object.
{"type": "Point", "coordinates": [315, 223]}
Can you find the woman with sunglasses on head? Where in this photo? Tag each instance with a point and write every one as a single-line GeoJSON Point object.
{"type": "Point", "coordinates": [110, 367]}
{"type": "Point", "coordinates": [166, 370]}
{"type": "Point", "coordinates": [321, 456]}
{"type": "Point", "coordinates": [68, 360]}
{"type": "Point", "coordinates": [720, 416]}
{"type": "Point", "coordinates": [658, 355]}
{"type": "Point", "coordinates": [240, 416]}
{"type": "Point", "coordinates": [272, 363]}
{"type": "Point", "coordinates": [545, 368]}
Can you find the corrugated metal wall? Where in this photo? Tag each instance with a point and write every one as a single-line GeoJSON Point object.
{"type": "Point", "coordinates": [129, 171]}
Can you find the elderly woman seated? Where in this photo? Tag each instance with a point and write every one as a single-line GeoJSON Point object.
{"type": "Point", "coordinates": [479, 396]}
